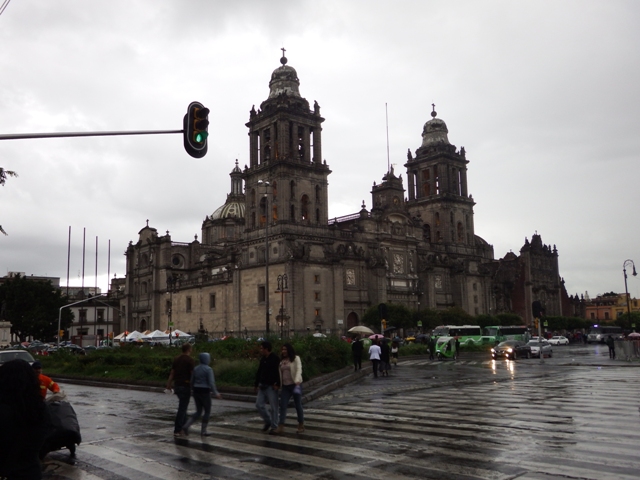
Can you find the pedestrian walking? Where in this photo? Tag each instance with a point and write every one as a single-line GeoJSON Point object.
{"type": "Point", "coordinates": [45, 382]}
{"type": "Point", "coordinates": [266, 386]}
{"type": "Point", "coordinates": [203, 384]}
{"type": "Point", "coordinates": [24, 419]}
{"type": "Point", "coordinates": [290, 385]}
{"type": "Point", "coordinates": [432, 348]}
{"type": "Point", "coordinates": [356, 350]}
{"type": "Point", "coordinates": [394, 353]}
{"type": "Point", "coordinates": [385, 354]}
{"type": "Point", "coordinates": [180, 376]}
{"type": "Point", "coordinates": [374, 356]}
{"type": "Point", "coordinates": [612, 347]}
{"type": "Point", "coordinates": [457, 346]}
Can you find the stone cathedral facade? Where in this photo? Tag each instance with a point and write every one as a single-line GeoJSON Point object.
{"type": "Point", "coordinates": [415, 246]}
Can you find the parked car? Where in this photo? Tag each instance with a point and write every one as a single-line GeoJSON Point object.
{"type": "Point", "coordinates": [540, 346]}
{"type": "Point", "coordinates": [7, 355]}
{"type": "Point", "coordinates": [511, 349]}
{"type": "Point", "coordinates": [559, 340]}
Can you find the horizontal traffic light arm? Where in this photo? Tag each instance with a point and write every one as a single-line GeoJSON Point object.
{"type": "Point", "coordinates": [23, 136]}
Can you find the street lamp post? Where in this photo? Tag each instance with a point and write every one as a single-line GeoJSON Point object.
{"type": "Point", "coordinates": [171, 287]}
{"type": "Point", "coordinates": [266, 252]}
{"type": "Point", "coordinates": [626, 291]}
{"type": "Point", "coordinates": [282, 289]}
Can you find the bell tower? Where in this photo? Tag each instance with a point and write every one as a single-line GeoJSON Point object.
{"type": "Point", "coordinates": [438, 187]}
{"type": "Point", "coordinates": [285, 149]}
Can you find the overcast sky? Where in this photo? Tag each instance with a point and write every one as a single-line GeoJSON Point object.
{"type": "Point", "coordinates": [543, 95]}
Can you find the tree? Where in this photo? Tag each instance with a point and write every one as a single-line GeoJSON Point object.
{"type": "Point", "coordinates": [33, 307]}
{"type": "Point", "coordinates": [3, 178]}
{"type": "Point", "coordinates": [399, 317]}
{"type": "Point", "coordinates": [455, 316]}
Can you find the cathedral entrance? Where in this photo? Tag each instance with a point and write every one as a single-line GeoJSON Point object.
{"type": "Point", "coordinates": [352, 320]}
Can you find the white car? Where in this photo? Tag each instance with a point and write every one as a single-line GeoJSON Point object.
{"type": "Point", "coordinates": [559, 340]}
{"type": "Point", "coordinates": [540, 346]}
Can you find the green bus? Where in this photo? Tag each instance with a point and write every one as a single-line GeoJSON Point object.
{"type": "Point", "coordinates": [467, 334]}
{"type": "Point", "coordinates": [500, 333]}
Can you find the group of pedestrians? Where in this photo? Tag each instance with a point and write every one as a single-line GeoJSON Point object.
{"type": "Point", "coordinates": [274, 375]}
{"type": "Point", "coordinates": [188, 379]}
{"type": "Point", "coordinates": [284, 374]}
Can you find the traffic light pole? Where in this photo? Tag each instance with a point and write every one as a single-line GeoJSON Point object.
{"type": "Point", "coordinates": [24, 136]}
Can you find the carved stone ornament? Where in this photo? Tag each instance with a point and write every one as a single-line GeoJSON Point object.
{"type": "Point", "coordinates": [398, 264]}
{"type": "Point", "coordinates": [351, 276]}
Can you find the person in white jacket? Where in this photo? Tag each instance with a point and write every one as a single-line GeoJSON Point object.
{"type": "Point", "coordinates": [290, 385]}
{"type": "Point", "coordinates": [374, 356]}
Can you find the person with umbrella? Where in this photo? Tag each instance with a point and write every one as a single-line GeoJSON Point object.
{"type": "Point", "coordinates": [356, 350]}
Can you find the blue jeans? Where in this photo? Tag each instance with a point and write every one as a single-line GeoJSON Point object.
{"type": "Point", "coordinates": [270, 416]}
{"type": "Point", "coordinates": [184, 395]}
{"type": "Point", "coordinates": [286, 391]}
{"type": "Point", "coordinates": [202, 397]}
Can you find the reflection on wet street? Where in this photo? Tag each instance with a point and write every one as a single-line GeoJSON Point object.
{"type": "Point", "coordinates": [575, 415]}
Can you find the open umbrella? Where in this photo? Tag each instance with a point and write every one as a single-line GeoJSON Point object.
{"type": "Point", "coordinates": [319, 335]}
{"type": "Point", "coordinates": [634, 335]}
{"type": "Point", "coordinates": [376, 336]}
{"type": "Point", "coordinates": [360, 329]}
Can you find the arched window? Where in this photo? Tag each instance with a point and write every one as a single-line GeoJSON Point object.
{"type": "Point", "coordinates": [292, 189]}
{"type": "Point", "coordinates": [292, 213]}
{"type": "Point", "coordinates": [274, 213]}
{"type": "Point", "coordinates": [317, 215]}
{"type": "Point", "coordinates": [437, 219]}
{"type": "Point", "coordinates": [263, 211]}
{"type": "Point", "coordinates": [426, 233]}
{"type": "Point", "coordinates": [460, 232]}
{"type": "Point", "coordinates": [317, 193]}
{"type": "Point", "coordinates": [274, 189]}
{"type": "Point", "coordinates": [304, 207]}
{"type": "Point", "coordinates": [253, 219]}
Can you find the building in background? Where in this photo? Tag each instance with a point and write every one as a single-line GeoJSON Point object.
{"type": "Point", "coordinates": [609, 306]}
{"type": "Point", "coordinates": [415, 245]}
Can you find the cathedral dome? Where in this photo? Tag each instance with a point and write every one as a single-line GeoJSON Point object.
{"type": "Point", "coordinates": [231, 209]}
{"type": "Point", "coordinates": [284, 79]}
{"type": "Point", "coordinates": [435, 132]}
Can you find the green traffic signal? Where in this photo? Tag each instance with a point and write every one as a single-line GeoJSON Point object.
{"type": "Point", "coordinates": [200, 137]}
{"type": "Point", "coordinates": [195, 133]}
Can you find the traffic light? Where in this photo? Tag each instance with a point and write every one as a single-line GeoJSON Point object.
{"type": "Point", "coordinates": [384, 325]}
{"type": "Point", "coordinates": [61, 333]}
{"type": "Point", "coordinates": [195, 133]}
{"type": "Point", "coordinates": [535, 323]}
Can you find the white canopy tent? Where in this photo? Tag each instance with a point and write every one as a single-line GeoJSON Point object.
{"type": "Point", "coordinates": [130, 337]}
{"type": "Point", "coordinates": [155, 335]}
{"type": "Point", "coordinates": [180, 334]}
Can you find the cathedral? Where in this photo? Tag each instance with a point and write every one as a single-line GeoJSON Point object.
{"type": "Point", "coordinates": [271, 259]}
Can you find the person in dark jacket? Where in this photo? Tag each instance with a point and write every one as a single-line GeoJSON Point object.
{"type": "Point", "coordinates": [612, 347]}
{"type": "Point", "coordinates": [203, 384]}
{"type": "Point", "coordinates": [180, 375]}
{"type": "Point", "coordinates": [356, 350]}
{"type": "Point", "coordinates": [385, 360]}
{"type": "Point", "coordinates": [432, 347]}
{"type": "Point", "coordinates": [266, 386]}
{"type": "Point", "coordinates": [24, 421]}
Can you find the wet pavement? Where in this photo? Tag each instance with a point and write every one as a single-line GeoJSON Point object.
{"type": "Point", "coordinates": [575, 415]}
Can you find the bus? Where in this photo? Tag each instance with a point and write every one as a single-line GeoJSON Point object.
{"type": "Point", "coordinates": [467, 334]}
{"type": "Point", "coordinates": [598, 334]}
{"type": "Point", "coordinates": [500, 333]}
